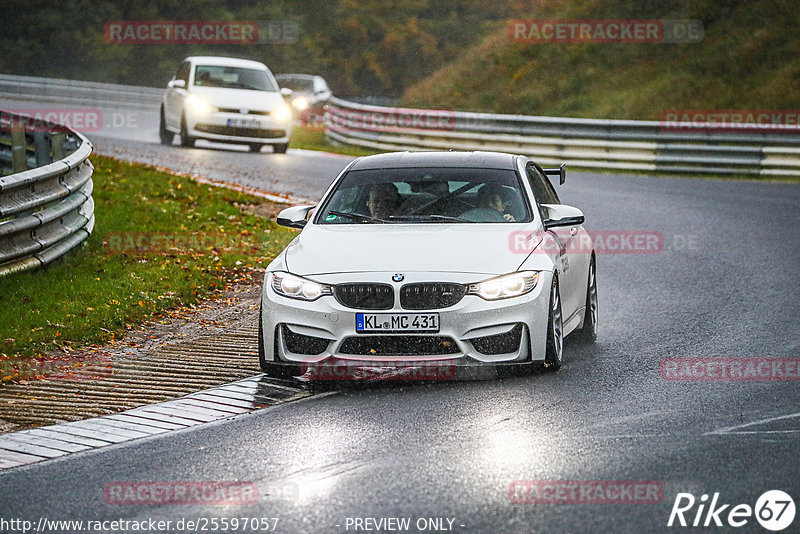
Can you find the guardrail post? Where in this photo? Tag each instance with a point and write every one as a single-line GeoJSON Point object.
{"type": "Point", "coordinates": [19, 156]}
{"type": "Point", "coordinates": [57, 143]}
{"type": "Point", "coordinates": [42, 148]}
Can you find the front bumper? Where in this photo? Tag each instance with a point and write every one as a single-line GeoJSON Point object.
{"type": "Point", "coordinates": [472, 333]}
{"type": "Point", "coordinates": [217, 127]}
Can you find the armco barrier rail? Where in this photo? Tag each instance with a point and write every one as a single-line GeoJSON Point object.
{"type": "Point", "coordinates": [46, 207]}
{"type": "Point", "coordinates": [583, 143]}
{"type": "Point", "coordinates": [80, 92]}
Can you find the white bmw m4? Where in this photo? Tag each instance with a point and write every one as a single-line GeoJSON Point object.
{"type": "Point", "coordinates": [459, 260]}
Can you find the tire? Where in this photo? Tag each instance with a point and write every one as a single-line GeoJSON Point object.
{"type": "Point", "coordinates": [255, 147]}
{"type": "Point", "coordinates": [554, 352]}
{"type": "Point", "coordinates": [164, 135]}
{"type": "Point", "coordinates": [588, 333]}
{"type": "Point", "coordinates": [186, 140]}
{"type": "Point", "coordinates": [280, 148]}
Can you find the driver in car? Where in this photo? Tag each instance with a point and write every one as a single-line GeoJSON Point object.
{"type": "Point", "coordinates": [491, 196]}
{"type": "Point", "coordinates": [383, 201]}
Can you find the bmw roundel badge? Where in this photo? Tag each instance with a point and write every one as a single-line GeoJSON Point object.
{"type": "Point", "coordinates": [398, 277]}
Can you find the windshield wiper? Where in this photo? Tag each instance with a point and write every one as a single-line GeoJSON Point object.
{"type": "Point", "coordinates": [432, 217]}
{"type": "Point", "coordinates": [357, 216]}
{"type": "Point", "coordinates": [448, 196]}
{"type": "Point", "coordinates": [241, 85]}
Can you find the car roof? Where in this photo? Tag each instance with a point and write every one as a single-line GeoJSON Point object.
{"type": "Point", "coordinates": [477, 159]}
{"type": "Point", "coordinates": [226, 61]}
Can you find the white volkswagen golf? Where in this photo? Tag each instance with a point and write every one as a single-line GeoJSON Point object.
{"type": "Point", "coordinates": [462, 259]}
{"type": "Point", "coordinates": [225, 100]}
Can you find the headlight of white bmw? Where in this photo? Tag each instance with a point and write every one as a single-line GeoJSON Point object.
{"type": "Point", "coordinates": [282, 113]}
{"type": "Point", "coordinates": [198, 105]}
{"type": "Point", "coordinates": [297, 287]}
{"type": "Point", "coordinates": [506, 286]}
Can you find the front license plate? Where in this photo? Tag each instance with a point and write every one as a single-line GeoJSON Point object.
{"type": "Point", "coordinates": [244, 123]}
{"type": "Point", "coordinates": [397, 322]}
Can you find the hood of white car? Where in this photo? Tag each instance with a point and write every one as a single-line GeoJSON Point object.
{"type": "Point", "coordinates": [467, 248]}
{"type": "Point", "coordinates": [221, 97]}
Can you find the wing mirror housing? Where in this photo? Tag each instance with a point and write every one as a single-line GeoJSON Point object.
{"type": "Point", "coordinates": [557, 215]}
{"type": "Point", "coordinates": [177, 84]}
{"type": "Point", "coordinates": [286, 92]}
{"type": "Point", "coordinates": [294, 217]}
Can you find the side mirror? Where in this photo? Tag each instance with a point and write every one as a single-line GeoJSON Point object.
{"type": "Point", "coordinates": [177, 84]}
{"type": "Point", "coordinates": [557, 215]}
{"type": "Point", "coordinates": [286, 92]}
{"type": "Point", "coordinates": [294, 217]}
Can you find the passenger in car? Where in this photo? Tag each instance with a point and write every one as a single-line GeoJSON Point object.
{"type": "Point", "coordinates": [491, 196]}
{"type": "Point", "coordinates": [384, 199]}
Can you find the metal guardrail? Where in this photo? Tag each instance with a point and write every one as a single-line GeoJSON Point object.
{"type": "Point", "coordinates": [583, 143]}
{"type": "Point", "coordinates": [46, 207]}
{"type": "Point", "coordinates": [80, 92]}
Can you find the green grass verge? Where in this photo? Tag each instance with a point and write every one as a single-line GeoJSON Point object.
{"type": "Point", "coordinates": [315, 139]}
{"type": "Point", "coordinates": [746, 59]}
{"type": "Point", "coordinates": [105, 287]}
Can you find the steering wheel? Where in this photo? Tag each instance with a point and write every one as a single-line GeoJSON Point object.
{"type": "Point", "coordinates": [482, 215]}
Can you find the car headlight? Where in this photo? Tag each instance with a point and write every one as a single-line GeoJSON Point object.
{"type": "Point", "coordinates": [301, 103]}
{"type": "Point", "coordinates": [282, 113]}
{"type": "Point", "coordinates": [506, 286]}
{"type": "Point", "coordinates": [297, 287]}
{"type": "Point", "coordinates": [198, 105]}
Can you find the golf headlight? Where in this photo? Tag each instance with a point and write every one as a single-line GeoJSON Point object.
{"type": "Point", "coordinates": [282, 113]}
{"type": "Point", "coordinates": [296, 287]}
{"type": "Point", "coordinates": [198, 105]}
{"type": "Point", "coordinates": [301, 103]}
{"type": "Point", "coordinates": [506, 286]}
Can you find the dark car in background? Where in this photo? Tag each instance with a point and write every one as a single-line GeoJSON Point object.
{"type": "Point", "coordinates": [310, 95]}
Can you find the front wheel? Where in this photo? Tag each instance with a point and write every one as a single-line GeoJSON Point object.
{"type": "Point", "coordinates": [164, 135]}
{"type": "Point", "coordinates": [186, 139]}
{"type": "Point", "coordinates": [588, 334]}
{"type": "Point", "coordinates": [280, 148]}
{"type": "Point", "coordinates": [554, 352]}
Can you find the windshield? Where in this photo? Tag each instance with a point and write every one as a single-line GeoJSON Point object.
{"type": "Point", "coordinates": [296, 84]}
{"type": "Point", "coordinates": [233, 78]}
{"type": "Point", "coordinates": [426, 195]}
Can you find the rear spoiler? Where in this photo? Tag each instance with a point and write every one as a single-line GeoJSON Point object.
{"type": "Point", "coordinates": [561, 172]}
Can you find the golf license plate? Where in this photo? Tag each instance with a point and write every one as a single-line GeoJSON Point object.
{"type": "Point", "coordinates": [397, 322]}
{"type": "Point", "coordinates": [244, 123]}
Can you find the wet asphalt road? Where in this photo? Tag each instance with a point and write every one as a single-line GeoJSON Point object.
{"type": "Point", "coordinates": [724, 285]}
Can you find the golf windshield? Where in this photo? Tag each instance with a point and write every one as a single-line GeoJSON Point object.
{"type": "Point", "coordinates": [233, 78]}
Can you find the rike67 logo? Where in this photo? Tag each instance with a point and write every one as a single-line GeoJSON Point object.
{"type": "Point", "coordinates": [774, 510]}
